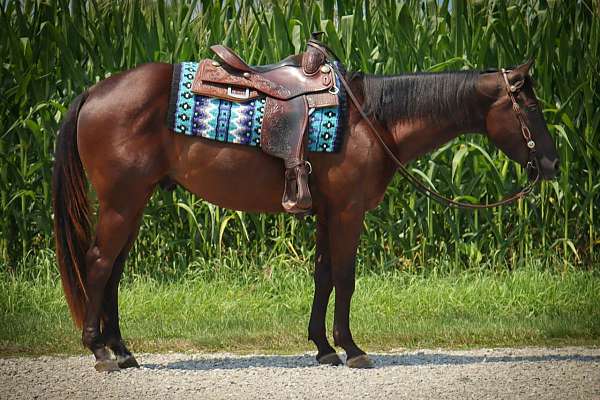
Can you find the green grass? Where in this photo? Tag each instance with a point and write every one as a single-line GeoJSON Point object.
{"type": "Point", "coordinates": [269, 312]}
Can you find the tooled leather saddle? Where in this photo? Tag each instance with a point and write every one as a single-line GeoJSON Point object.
{"type": "Point", "coordinates": [291, 87]}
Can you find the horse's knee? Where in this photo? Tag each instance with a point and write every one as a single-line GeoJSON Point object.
{"type": "Point", "coordinates": [322, 278]}
{"type": "Point", "coordinates": [344, 280]}
{"type": "Point", "coordinates": [314, 332]}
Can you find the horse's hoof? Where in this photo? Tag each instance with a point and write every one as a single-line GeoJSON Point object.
{"type": "Point", "coordinates": [362, 361]}
{"type": "Point", "coordinates": [127, 361]}
{"type": "Point", "coordinates": [330, 359]}
{"type": "Point", "coordinates": [106, 366]}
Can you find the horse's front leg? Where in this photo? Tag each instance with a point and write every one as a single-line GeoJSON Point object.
{"type": "Point", "coordinates": [323, 287]}
{"type": "Point", "coordinates": [344, 234]}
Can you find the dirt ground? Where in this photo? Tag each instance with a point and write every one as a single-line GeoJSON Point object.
{"type": "Point", "coordinates": [536, 373]}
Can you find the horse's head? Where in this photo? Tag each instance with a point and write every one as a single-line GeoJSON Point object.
{"type": "Point", "coordinates": [516, 125]}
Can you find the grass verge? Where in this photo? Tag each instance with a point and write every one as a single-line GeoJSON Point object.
{"type": "Point", "coordinates": [270, 313]}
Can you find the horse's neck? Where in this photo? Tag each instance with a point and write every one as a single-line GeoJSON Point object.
{"type": "Point", "coordinates": [415, 137]}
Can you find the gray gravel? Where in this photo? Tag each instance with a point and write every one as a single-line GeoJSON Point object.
{"type": "Point", "coordinates": [538, 373]}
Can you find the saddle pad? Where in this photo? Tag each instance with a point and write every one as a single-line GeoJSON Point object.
{"type": "Point", "coordinates": [240, 122]}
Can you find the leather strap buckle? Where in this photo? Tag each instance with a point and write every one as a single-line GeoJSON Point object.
{"type": "Point", "coordinates": [308, 166]}
{"type": "Point", "coordinates": [334, 89]}
{"type": "Point", "coordinates": [243, 96]}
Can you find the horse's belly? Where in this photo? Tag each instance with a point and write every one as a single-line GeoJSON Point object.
{"type": "Point", "coordinates": [230, 176]}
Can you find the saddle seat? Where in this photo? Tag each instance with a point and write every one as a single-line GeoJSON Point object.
{"type": "Point", "coordinates": [291, 87]}
{"type": "Point", "coordinates": [230, 58]}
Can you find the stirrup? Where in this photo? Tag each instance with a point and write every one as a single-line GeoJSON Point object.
{"type": "Point", "coordinates": [296, 195]}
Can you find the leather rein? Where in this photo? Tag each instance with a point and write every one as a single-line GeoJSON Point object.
{"type": "Point", "coordinates": [511, 90]}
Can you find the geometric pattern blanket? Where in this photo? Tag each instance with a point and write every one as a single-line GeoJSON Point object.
{"type": "Point", "coordinates": [240, 122]}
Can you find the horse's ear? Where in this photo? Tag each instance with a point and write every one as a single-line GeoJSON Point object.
{"type": "Point", "coordinates": [520, 72]}
{"type": "Point", "coordinates": [524, 68]}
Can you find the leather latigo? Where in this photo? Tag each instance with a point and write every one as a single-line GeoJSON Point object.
{"type": "Point", "coordinates": [281, 83]}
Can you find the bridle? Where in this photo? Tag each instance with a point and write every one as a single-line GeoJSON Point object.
{"type": "Point", "coordinates": [511, 90]}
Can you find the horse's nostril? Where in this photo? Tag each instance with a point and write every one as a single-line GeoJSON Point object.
{"type": "Point", "coordinates": [556, 164]}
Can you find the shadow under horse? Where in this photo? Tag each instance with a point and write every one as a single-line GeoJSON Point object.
{"type": "Point", "coordinates": [114, 136]}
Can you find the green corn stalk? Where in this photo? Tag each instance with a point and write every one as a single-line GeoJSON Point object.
{"type": "Point", "coordinates": [53, 50]}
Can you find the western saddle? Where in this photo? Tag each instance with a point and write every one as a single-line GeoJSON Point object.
{"type": "Point", "coordinates": [291, 87]}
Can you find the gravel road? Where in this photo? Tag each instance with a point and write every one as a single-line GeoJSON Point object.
{"type": "Point", "coordinates": [536, 373]}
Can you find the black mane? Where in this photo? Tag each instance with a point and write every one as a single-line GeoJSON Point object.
{"type": "Point", "coordinates": [432, 96]}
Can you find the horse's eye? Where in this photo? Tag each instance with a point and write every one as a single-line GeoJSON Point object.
{"type": "Point", "coordinates": [533, 82]}
{"type": "Point", "coordinates": [531, 106]}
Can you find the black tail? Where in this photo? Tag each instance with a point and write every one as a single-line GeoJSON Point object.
{"type": "Point", "coordinates": [72, 226]}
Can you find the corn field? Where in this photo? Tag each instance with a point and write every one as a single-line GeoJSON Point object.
{"type": "Point", "coordinates": [52, 50]}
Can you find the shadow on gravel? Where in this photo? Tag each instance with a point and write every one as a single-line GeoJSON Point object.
{"type": "Point", "coordinates": [380, 360]}
{"type": "Point", "coordinates": [210, 363]}
{"type": "Point", "coordinates": [384, 360]}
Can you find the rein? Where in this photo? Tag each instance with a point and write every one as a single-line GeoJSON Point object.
{"type": "Point", "coordinates": [511, 90]}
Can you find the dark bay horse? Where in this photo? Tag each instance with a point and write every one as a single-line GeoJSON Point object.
{"type": "Point", "coordinates": [115, 136]}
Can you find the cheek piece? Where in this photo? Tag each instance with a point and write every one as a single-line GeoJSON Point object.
{"type": "Point", "coordinates": [513, 91]}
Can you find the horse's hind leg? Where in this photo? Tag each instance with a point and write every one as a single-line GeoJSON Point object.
{"type": "Point", "coordinates": [110, 309]}
{"type": "Point", "coordinates": [118, 218]}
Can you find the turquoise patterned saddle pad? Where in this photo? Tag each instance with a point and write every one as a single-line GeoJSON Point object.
{"type": "Point", "coordinates": [232, 122]}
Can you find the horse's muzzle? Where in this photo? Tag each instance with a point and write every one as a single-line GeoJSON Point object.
{"type": "Point", "coordinates": [549, 169]}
